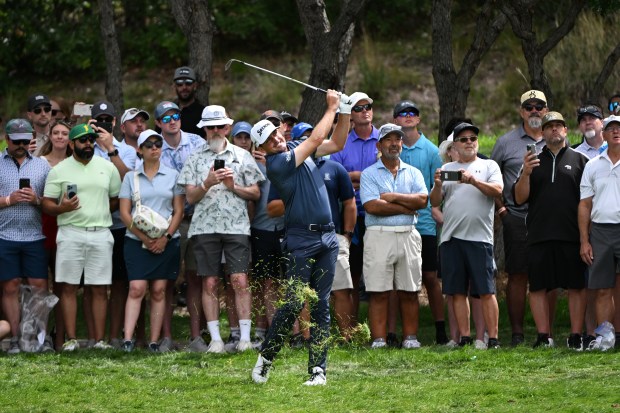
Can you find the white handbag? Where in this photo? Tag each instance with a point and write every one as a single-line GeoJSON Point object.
{"type": "Point", "coordinates": [145, 218]}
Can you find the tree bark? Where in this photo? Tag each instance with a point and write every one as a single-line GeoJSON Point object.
{"type": "Point", "coordinates": [114, 75]}
{"type": "Point", "coordinates": [520, 14]}
{"type": "Point", "coordinates": [330, 48]}
{"type": "Point", "coordinates": [194, 20]}
{"type": "Point", "coordinates": [595, 92]}
{"type": "Point", "coordinates": [452, 87]}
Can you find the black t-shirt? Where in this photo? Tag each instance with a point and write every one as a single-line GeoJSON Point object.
{"type": "Point", "coordinates": [190, 116]}
{"type": "Point", "coordinates": [554, 196]}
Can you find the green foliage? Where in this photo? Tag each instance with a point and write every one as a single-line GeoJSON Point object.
{"type": "Point", "coordinates": [374, 76]}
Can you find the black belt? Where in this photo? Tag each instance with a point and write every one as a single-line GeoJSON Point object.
{"type": "Point", "coordinates": [314, 227]}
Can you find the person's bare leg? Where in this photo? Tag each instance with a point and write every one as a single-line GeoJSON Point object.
{"type": "Point", "coordinates": [409, 312]}
{"type": "Point", "coordinates": [516, 291]}
{"type": "Point", "coordinates": [576, 309]}
{"type": "Point", "coordinates": [194, 302]}
{"type": "Point", "coordinates": [231, 302]}
{"type": "Point", "coordinates": [478, 316]}
{"type": "Point", "coordinates": [435, 297]}
{"type": "Point", "coordinates": [58, 318]}
{"type": "Point", "coordinates": [166, 325]}
{"type": "Point", "coordinates": [490, 310]}
{"type": "Point", "coordinates": [10, 303]}
{"type": "Point", "coordinates": [604, 305]}
{"type": "Point", "coordinates": [243, 296]}
{"type": "Point", "coordinates": [304, 321]}
{"type": "Point", "coordinates": [461, 312]}
{"type": "Point", "coordinates": [99, 308]}
{"type": "Point", "coordinates": [591, 311]}
{"type": "Point", "coordinates": [137, 290]}
{"type": "Point", "coordinates": [270, 289]}
{"type": "Point", "coordinates": [210, 302]}
{"type": "Point", "coordinates": [118, 299]}
{"type": "Point", "coordinates": [87, 309]}
{"type": "Point", "coordinates": [355, 296]}
{"type": "Point", "coordinates": [552, 300]}
{"type": "Point", "coordinates": [343, 307]}
{"type": "Point", "coordinates": [158, 307]}
{"type": "Point", "coordinates": [454, 327]}
{"type": "Point", "coordinates": [5, 329]}
{"type": "Point", "coordinates": [68, 304]}
{"type": "Point", "coordinates": [540, 311]}
{"type": "Point", "coordinates": [377, 314]}
{"type": "Point", "coordinates": [616, 321]}
{"type": "Point", "coordinates": [258, 304]}
{"type": "Point", "coordinates": [393, 311]}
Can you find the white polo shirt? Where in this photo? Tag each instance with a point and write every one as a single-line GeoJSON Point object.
{"type": "Point", "coordinates": [601, 180]}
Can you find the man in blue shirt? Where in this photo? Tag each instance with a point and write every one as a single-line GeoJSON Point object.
{"type": "Point", "coordinates": [392, 192]}
{"type": "Point", "coordinates": [310, 242]}
{"type": "Point", "coordinates": [421, 153]}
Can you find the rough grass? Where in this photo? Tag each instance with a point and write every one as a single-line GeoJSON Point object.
{"type": "Point", "coordinates": [431, 379]}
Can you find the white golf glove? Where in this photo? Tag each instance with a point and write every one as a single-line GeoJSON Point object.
{"type": "Point", "coordinates": [345, 104]}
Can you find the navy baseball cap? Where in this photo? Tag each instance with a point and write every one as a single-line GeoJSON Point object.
{"type": "Point", "coordinates": [298, 130]}
{"type": "Point", "coordinates": [403, 105]}
{"type": "Point", "coordinates": [465, 126]}
{"type": "Point", "coordinates": [164, 107]}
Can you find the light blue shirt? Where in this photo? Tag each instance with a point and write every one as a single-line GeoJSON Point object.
{"type": "Point", "coordinates": [424, 156]}
{"type": "Point", "coordinates": [377, 179]}
{"type": "Point", "coordinates": [157, 194]}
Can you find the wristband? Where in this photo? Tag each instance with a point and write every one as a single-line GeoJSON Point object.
{"type": "Point", "coordinates": [502, 209]}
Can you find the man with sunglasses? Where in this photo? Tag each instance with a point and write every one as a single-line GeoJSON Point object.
{"type": "Point", "coordinates": [177, 147]}
{"type": "Point", "coordinates": [359, 153]}
{"type": "Point", "coordinates": [508, 152]}
{"type": "Point", "coordinates": [614, 105]}
{"type": "Point", "coordinates": [40, 115]}
{"type": "Point", "coordinates": [82, 191]}
{"type": "Point", "coordinates": [21, 238]}
{"type": "Point", "coordinates": [421, 153]}
{"type": "Point", "coordinates": [466, 247]}
{"type": "Point", "coordinates": [185, 86]}
{"type": "Point", "coordinates": [221, 223]}
{"type": "Point", "coordinates": [590, 120]}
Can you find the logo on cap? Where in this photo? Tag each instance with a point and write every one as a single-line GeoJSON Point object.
{"type": "Point", "coordinates": [40, 97]}
{"type": "Point", "coordinates": [103, 106]}
{"type": "Point", "coordinates": [260, 131]}
{"type": "Point", "coordinates": [167, 105]}
{"type": "Point", "coordinates": [86, 127]}
{"type": "Point", "coordinates": [532, 95]}
{"type": "Point", "coordinates": [184, 72]}
{"type": "Point", "coordinates": [217, 114]}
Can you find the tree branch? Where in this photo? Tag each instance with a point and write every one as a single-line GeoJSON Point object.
{"type": "Point", "coordinates": [563, 29]}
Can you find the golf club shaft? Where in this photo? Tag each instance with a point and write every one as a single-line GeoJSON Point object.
{"type": "Point", "coordinates": [276, 74]}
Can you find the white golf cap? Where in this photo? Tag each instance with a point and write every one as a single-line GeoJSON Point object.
{"type": "Point", "coordinates": [214, 115]}
{"type": "Point", "coordinates": [261, 131]}
{"type": "Point", "coordinates": [357, 96]}
{"type": "Point", "coordinates": [131, 113]}
{"type": "Point", "coordinates": [147, 134]}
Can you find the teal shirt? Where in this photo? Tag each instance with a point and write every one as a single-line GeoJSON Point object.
{"type": "Point", "coordinates": [424, 156]}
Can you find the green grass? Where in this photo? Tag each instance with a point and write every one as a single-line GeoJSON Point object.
{"type": "Point", "coordinates": [431, 379]}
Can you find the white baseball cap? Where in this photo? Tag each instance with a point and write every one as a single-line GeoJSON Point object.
{"type": "Point", "coordinates": [261, 131]}
{"type": "Point", "coordinates": [147, 134]}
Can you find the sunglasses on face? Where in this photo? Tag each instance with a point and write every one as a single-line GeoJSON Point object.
{"type": "Point", "coordinates": [215, 127]}
{"type": "Point", "coordinates": [55, 112]}
{"type": "Point", "coordinates": [529, 108]}
{"type": "Point", "coordinates": [613, 106]}
{"type": "Point", "coordinates": [359, 108]}
{"type": "Point", "coordinates": [23, 142]}
{"type": "Point", "coordinates": [46, 109]}
{"type": "Point", "coordinates": [407, 114]}
{"type": "Point", "coordinates": [464, 139]}
{"type": "Point", "coordinates": [170, 118]}
{"type": "Point", "coordinates": [150, 144]}
{"type": "Point", "coordinates": [88, 138]}
{"type": "Point", "coordinates": [181, 82]}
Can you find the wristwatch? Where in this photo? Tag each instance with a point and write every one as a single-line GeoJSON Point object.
{"type": "Point", "coordinates": [168, 236]}
{"type": "Point", "coordinates": [113, 153]}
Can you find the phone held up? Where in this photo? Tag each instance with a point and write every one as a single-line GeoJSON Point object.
{"type": "Point", "coordinates": [82, 109]}
{"type": "Point", "coordinates": [71, 190]}
{"type": "Point", "coordinates": [24, 183]}
{"type": "Point", "coordinates": [218, 164]}
{"type": "Point", "coordinates": [451, 175]}
{"type": "Point", "coordinates": [532, 149]}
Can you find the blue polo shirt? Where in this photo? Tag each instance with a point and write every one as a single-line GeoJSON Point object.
{"type": "Point", "coordinates": [302, 188]}
{"type": "Point", "coordinates": [424, 156]}
{"type": "Point", "coordinates": [377, 179]}
{"type": "Point", "coordinates": [357, 155]}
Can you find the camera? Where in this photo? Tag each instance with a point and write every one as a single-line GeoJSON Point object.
{"type": "Point", "coordinates": [451, 175]}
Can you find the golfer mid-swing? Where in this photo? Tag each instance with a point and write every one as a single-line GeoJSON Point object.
{"type": "Point", "coordinates": [310, 243]}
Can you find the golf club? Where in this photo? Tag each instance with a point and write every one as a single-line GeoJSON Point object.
{"type": "Point", "coordinates": [318, 89]}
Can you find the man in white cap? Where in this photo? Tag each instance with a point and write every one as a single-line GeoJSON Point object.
{"type": "Point", "coordinates": [310, 243]}
{"type": "Point", "coordinates": [508, 152]}
{"type": "Point", "coordinates": [219, 179]}
{"type": "Point", "coordinates": [133, 123]}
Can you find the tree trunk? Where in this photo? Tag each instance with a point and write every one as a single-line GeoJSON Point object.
{"type": "Point", "coordinates": [330, 49]}
{"type": "Point", "coordinates": [452, 87]}
{"type": "Point", "coordinates": [520, 13]}
{"type": "Point", "coordinates": [114, 75]}
{"type": "Point", "coordinates": [194, 20]}
{"type": "Point", "coordinates": [594, 93]}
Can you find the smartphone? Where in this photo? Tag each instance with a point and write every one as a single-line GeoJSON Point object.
{"type": "Point", "coordinates": [82, 109]}
{"type": "Point", "coordinates": [104, 125]}
{"type": "Point", "coordinates": [451, 175]}
{"type": "Point", "coordinates": [71, 190]}
{"type": "Point", "coordinates": [24, 183]}
{"type": "Point", "coordinates": [532, 149]}
{"type": "Point", "coordinates": [218, 164]}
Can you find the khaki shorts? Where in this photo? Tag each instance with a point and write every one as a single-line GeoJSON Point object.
{"type": "Point", "coordinates": [392, 259]}
{"type": "Point", "coordinates": [87, 250]}
{"type": "Point", "coordinates": [342, 277]}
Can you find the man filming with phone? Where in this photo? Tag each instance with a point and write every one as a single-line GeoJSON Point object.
{"type": "Point", "coordinates": [466, 245]}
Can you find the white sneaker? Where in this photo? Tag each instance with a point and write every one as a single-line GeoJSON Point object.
{"type": "Point", "coordinates": [480, 345]}
{"type": "Point", "coordinates": [597, 344]}
{"type": "Point", "coordinates": [411, 342]}
{"type": "Point", "coordinates": [452, 344]}
{"type": "Point", "coordinates": [244, 345]}
{"type": "Point", "coordinates": [216, 346]}
{"type": "Point", "coordinates": [378, 343]}
{"type": "Point", "coordinates": [260, 372]}
{"type": "Point", "coordinates": [317, 378]}
{"type": "Point", "coordinates": [102, 345]}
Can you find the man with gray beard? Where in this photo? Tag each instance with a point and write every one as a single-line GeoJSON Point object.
{"type": "Point", "coordinates": [590, 119]}
{"type": "Point", "coordinates": [508, 152]}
